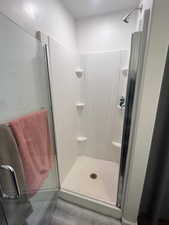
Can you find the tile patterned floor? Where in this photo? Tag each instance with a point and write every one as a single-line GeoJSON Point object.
{"type": "Point", "coordinates": [63, 213]}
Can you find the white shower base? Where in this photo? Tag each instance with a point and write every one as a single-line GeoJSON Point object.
{"type": "Point", "coordinates": [103, 188]}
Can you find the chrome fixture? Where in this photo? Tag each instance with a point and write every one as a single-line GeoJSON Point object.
{"type": "Point", "coordinates": [126, 18]}
{"type": "Point", "coordinates": [122, 102]}
{"type": "Point", "coordinates": [15, 182]}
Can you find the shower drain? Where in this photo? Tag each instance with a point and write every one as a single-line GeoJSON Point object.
{"type": "Point", "coordinates": [93, 176]}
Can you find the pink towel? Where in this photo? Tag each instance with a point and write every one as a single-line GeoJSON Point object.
{"type": "Point", "coordinates": [33, 139]}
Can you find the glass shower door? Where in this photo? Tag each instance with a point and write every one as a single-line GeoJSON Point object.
{"type": "Point", "coordinates": [24, 89]}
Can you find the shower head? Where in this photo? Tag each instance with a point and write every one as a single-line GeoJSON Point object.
{"type": "Point", "coordinates": [126, 18]}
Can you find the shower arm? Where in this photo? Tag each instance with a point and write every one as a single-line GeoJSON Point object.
{"type": "Point", "coordinates": [125, 18]}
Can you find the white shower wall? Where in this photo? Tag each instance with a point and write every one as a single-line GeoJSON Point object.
{"type": "Point", "coordinates": [105, 33]}
{"type": "Point", "coordinates": [100, 89]}
{"type": "Point", "coordinates": [65, 94]}
{"type": "Point", "coordinates": [101, 119]}
{"type": "Point", "coordinates": [50, 17]}
{"type": "Point", "coordinates": [104, 46]}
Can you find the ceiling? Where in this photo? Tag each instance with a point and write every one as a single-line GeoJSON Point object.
{"type": "Point", "coordinates": [84, 8]}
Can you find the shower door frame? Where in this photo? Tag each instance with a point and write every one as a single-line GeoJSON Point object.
{"type": "Point", "coordinates": [129, 117]}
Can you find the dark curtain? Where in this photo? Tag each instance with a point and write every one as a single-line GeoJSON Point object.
{"type": "Point", "coordinates": [154, 207]}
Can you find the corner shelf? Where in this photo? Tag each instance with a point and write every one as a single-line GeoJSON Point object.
{"type": "Point", "coordinates": [116, 144]}
{"type": "Point", "coordinates": [79, 72]}
{"type": "Point", "coordinates": [81, 139]}
{"type": "Point", "coordinates": [80, 105]}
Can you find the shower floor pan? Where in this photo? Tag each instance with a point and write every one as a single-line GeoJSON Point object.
{"type": "Point", "coordinates": [94, 178]}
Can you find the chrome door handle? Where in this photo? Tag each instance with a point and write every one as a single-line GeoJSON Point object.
{"type": "Point", "coordinates": [15, 181]}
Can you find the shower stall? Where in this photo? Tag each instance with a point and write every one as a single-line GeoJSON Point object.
{"type": "Point", "coordinates": [89, 89]}
{"type": "Point", "coordinates": [89, 98]}
{"type": "Point", "coordinates": [93, 94]}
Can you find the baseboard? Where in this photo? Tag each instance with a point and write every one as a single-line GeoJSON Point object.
{"type": "Point", "coordinates": [127, 222]}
